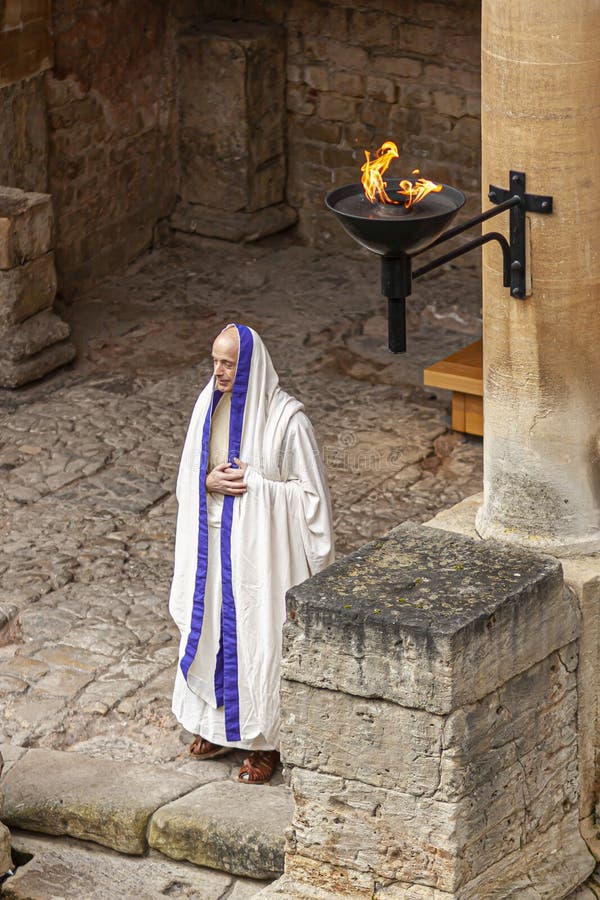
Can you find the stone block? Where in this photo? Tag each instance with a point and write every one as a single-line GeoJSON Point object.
{"type": "Point", "coordinates": [75, 870]}
{"type": "Point", "coordinates": [400, 66]}
{"type": "Point", "coordinates": [26, 226]}
{"type": "Point", "coordinates": [226, 826]}
{"type": "Point", "coordinates": [6, 862]}
{"type": "Point", "coordinates": [16, 373]}
{"type": "Point", "coordinates": [440, 762]}
{"type": "Point", "coordinates": [26, 290]}
{"type": "Point", "coordinates": [427, 619]}
{"type": "Point", "coordinates": [33, 335]}
{"type": "Point", "coordinates": [336, 107]}
{"type": "Point", "coordinates": [381, 88]}
{"type": "Point", "coordinates": [23, 135]}
{"type": "Point", "coordinates": [5, 853]}
{"type": "Point", "coordinates": [93, 799]}
{"type": "Point", "coordinates": [373, 28]}
{"type": "Point", "coordinates": [397, 746]}
{"type": "Point", "coordinates": [26, 50]}
{"type": "Point", "coordinates": [232, 86]}
{"type": "Point", "coordinates": [195, 218]}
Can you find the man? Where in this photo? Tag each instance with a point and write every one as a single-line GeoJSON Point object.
{"type": "Point", "coordinates": [254, 519]}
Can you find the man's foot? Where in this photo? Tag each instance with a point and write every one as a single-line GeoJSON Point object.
{"type": "Point", "coordinates": [258, 768]}
{"type": "Point", "coordinates": [203, 749]}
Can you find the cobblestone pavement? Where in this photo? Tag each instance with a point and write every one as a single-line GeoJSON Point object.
{"type": "Point", "coordinates": [89, 460]}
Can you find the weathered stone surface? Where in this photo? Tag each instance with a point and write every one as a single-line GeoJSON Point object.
{"type": "Point", "coordinates": [77, 870]}
{"type": "Point", "coordinates": [491, 789]}
{"type": "Point", "coordinates": [26, 226]}
{"type": "Point", "coordinates": [590, 890]}
{"type": "Point", "coordinates": [34, 334]}
{"type": "Point", "coordinates": [386, 835]}
{"type": "Point", "coordinates": [399, 747]}
{"type": "Point", "coordinates": [6, 862]}
{"type": "Point", "coordinates": [233, 226]}
{"type": "Point", "coordinates": [426, 619]}
{"type": "Point", "coordinates": [94, 799]}
{"type": "Point", "coordinates": [583, 577]}
{"type": "Point", "coordinates": [14, 374]}
{"type": "Point", "coordinates": [27, 289]}
{"type": "Point", "coordinates": [26, 46]}
{"type": "Point", "coordinates": [287, 887]}
{"type": "Point", "coordinates": [226, 826]}
{"type": "Point", "coordinates": [112, 134]}
{"type": "Point", "coordinates": [5, 854]}
{"type": "Point", "coordinates": [24, 135]}
{"type": "Point", "coordinates": [459, 518]}
{"type": "Point", "coordinates": [232, 85]}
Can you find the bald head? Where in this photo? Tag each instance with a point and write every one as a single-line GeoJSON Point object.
{"type": "Point", "coordinates": [225, 352]}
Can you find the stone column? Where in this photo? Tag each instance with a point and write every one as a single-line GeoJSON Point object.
{"type": "Point", "coordinates": [429, 721]}
{"type": "Point", "coordinates": [541, 115]}
{"type": "Point", "coordinates": [232, 132]}
{"type": "Point", "coordinates": [33, 339]}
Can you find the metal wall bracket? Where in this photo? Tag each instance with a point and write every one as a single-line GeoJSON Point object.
{"type": "Point", "coordinates": [397, 273]}
{"type": "Point", "coordinates": [527, 203]}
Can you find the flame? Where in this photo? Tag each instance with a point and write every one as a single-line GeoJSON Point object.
{"type": "Point", "coordinates": [374, 185]}
{"type": "Point", "coordinates": [373, 172]}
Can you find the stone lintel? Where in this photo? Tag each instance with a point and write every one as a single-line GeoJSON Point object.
{"type": "Point", "coordinates": [26, 226]}
{"type": "Point", "coordinates": [427, 619]}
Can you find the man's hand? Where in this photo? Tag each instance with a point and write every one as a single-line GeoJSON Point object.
{"type": "Point", "coordinates": [225, 480]}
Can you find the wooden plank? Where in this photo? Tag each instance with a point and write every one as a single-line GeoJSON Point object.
{"type": "Point", "coordinates": [461, 371]}
{"type": "Point", "coordinates": [458, 411]}
{"type": "Point", "coordinates": [473, 415]}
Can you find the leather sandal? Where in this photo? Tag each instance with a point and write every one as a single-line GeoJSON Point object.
{"type": "Point", "coordinates": [200, 748]}
{"type": "Point", "coordinates": [259, 766]}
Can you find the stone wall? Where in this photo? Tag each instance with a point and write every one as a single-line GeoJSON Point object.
{"type": "Point", "coordinates": [356, 74]}
{"type": "Point", "coordinates": [429, 721]}
{"type": "Point", "coordinates": [361, 73]}
{"type": "Point", "coordinates": [112, 133]}
{"type": "Point", "coordinates": [25, 53]}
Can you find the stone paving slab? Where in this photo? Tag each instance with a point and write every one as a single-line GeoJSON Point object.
{"type": "Point", "coordinates": [66, 869]}
{"type": "Point", "coordinates": [233, 827]}
{"type": "Point", "coordinates": [94, 799]}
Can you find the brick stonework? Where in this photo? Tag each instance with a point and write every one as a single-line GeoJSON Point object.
{"type": "Point", "coordinates": [101, 135]}
{"type": "Point", "coordinates": [112, 130]}
{"type": "Point", "coordinates": [361, 73]}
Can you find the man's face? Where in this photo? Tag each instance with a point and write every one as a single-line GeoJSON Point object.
{"type": "Point", "coordinates": [225, 357]}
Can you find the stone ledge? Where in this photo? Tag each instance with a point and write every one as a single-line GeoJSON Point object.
{"type": "Point", "coordinates": [56, 792]}
{"type": "Point", "coordinates": [232, 226]}
{"type": "Point", "coordinates": [26, 226]}
{"type": "Point", "coordinates": [228, 826]}
{"type": "Point", "coordinates": [427, 619]}
{"type": "Point", "coordinates": [81, 871]}
{"type": "Point", "coordinates": [33, 335]}
{"type": "Point", "coordinates": [14, 373]}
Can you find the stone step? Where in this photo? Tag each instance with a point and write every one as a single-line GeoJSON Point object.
{"type": "Point", "coordinates": [106, 801]}
{"type": "Point", "coordinates": [129, 807]}
{"type": "Point", "coordinates": [77, 870]}
{"type": "Point", "coordinates": [225, 825]}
